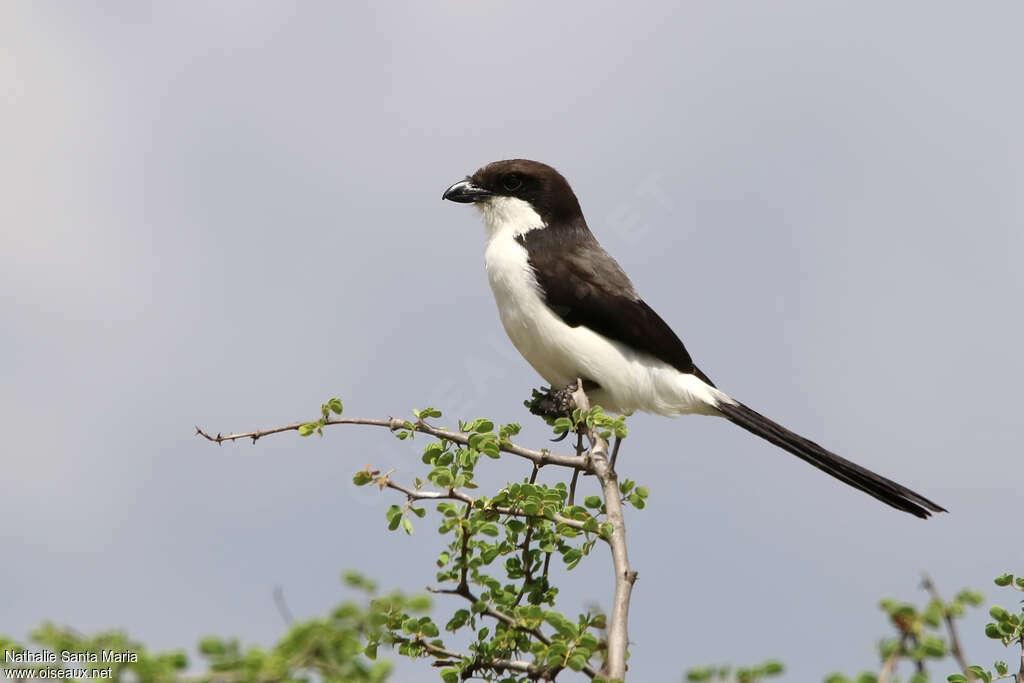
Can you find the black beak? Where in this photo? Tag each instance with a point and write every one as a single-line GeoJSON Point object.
{"type": "Point", "coordinates": [465, 192]}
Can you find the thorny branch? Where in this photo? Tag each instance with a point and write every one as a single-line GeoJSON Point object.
{"type": "Point", "coordinates": [540, 458]}
{"type": "Point", "coordinates": [889, 665]}
{"type": "Point", "coordinates": [533, 670]}
{"type": "Point", "coordinates": [455, 494]}
{"type": "Point", "coordinates": [1020, 674]}
{"type": "Point", "coordinates": [625, 577]}
{"type": "Point", "coordinates": [465, 592]}
{"type": "Point", "coordinates": [954, 639]}
{"type": "Point", "coordinates": [593, 461]}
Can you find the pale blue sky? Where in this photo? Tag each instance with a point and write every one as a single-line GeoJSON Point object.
{"type": "Point", "coordinates": [222, 215]}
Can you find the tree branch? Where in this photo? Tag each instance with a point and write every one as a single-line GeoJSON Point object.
{"type": "Point", "coordinates": [282, 606]}
{"type": "Point", "coordinates": [495, 664]}
{"type": "Point", "coordinates": [890, 663]}
{"type": "Point", "coordinates": [625, 577]}
{"type": "Point", "coordinates": [456, 494]}
{"type": "Point", "coordinates": [1020, 674]}
{"type": "Point", "coordinates": [393, 424]}
{"type": "Point", "coordinates": [954, 639]}
{"type": "Point", "coordinates": [594, 461]}
{"type": "Point", "coordinates": [465, 592]}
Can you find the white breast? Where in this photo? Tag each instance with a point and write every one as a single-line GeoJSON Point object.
{"type": "Point", "coordinates": [629, 380]}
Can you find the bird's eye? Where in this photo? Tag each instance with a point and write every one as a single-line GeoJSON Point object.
{"type": "Point", "coordinates": [512, 182]}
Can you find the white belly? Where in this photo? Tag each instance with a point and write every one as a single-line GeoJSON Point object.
{"type": "Point", "coordinates": [628, 380]}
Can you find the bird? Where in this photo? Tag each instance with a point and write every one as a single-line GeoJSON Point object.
{"type": "Point", "coordinates": [573, 314]}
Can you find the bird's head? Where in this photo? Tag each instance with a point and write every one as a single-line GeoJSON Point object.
{"type": "Point", "coordinates": [518, 194]}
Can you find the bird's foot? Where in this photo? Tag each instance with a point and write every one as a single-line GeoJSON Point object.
{"type": "Point", "coordinates": [554, 403]}
{"type": "Point", "coordinates": [551, 403]}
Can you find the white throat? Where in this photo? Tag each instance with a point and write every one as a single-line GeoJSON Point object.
{"type": "Point", "coordinates": [508, 217]}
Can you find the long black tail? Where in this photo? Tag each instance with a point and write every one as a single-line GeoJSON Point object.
{"type": "Point", "coordinates": [885, 490]}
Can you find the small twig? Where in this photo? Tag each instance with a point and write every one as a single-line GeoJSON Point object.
{"type": "Point", "coordinates": [394, 424]}
{"type": "Point", "coordinates": [464, 554]}
{"type": "Point", "coordinates": [615, 452]}
{"type": "Point", "coordinates": [572, 487]}
{"type": "Point", "coordinates": [466, 593]}
{"type": "Point", "coordinates": [527, 561]}
{"type": "Point", "coordinates": [918, 664]}
{"type": "Point", "coordinates": [954, 639]}
{"type": "Point", "coordinates": [889, 666]}
{"type": "Point", "coordinates": [282, 606]}
{"type": "Point", "coordinates": [576, 472]}
{"type": "Point", "coordinates": [456, 494]}
{"type": "Point", "coordinates": [480, 662]}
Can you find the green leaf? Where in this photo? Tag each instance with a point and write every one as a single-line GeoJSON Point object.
{"type": "Point", "coordinates": [577, 662]}
{"type": "Point", "coordinates": [643, 491]}
{"type": "Point", "coordinates": [592, 501]}
{"type": "Point", "coordinates": [371, 651]}
{"type": "Point", "coordinates": [212, 645]}
{"type": "Point", "coordinates": [450, 675]}
{"type": "Point", "coordinates": [394, 517]}
{"type": "Point", "coordinates": [1004, 579]}
{"type": "Point", "coordinates": [573, 557]}
{"type": "Point", "coordinates": [956, 678]}
{"type": "Point", "coordinates": [407, 525]}
{"type": "Point", "coordinates": [308, 428]}
{"type": "Point", "coordinates": [335, 406]}
{"type": "Point", "coordinates": [361, 478]}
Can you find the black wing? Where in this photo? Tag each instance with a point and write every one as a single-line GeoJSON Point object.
{"type": "Point", "coordinates": [585, 286]}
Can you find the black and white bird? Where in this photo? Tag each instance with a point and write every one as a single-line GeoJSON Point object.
{"type": "Point", "coordinates": [573, 313]}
